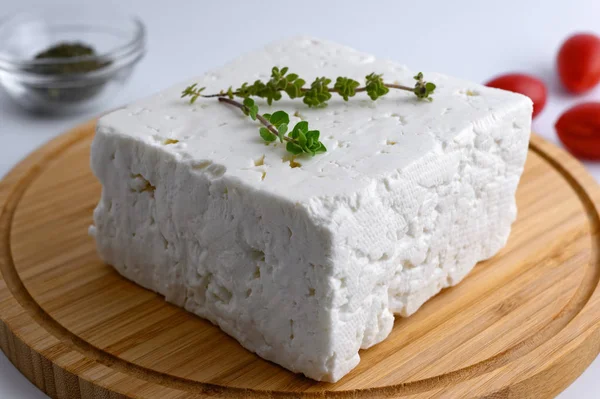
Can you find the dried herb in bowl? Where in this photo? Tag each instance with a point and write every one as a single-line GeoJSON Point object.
{"type": "Point", "coordinates": [77, 89]}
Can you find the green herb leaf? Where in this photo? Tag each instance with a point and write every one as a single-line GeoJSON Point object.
{"type": "Point", "coordinates": [306, 140]}
{"type": "Point", "coordinates": [423, 89]}
{"type": "Point", "coordinates": [320, 148]}
{"type": "Point", "coordinates": [267, 135]}
{"type": "Point", "coordinates": [301, 126]}
{"type": "Point", "coordinates": [250, 108]}
{"type": "Point", "coordinates": [279, 117]}
{"type": "Point", "coordinates": [301, 139]}
{"type": "Point", "coordinates": [248, 102]}
{"type": "Point", "coordinates": [293, 91]}
{"type": "Point", "coordinates": [293, 148]}
{"type": "Point", "coordinates": [282, 129]}
{"type": "Point", "coordinates": [313, 135]}
{"type": "Point", "coordinates": [375, 86]}
{"type": "Point", "coordinates": [346, 87]}
{"type": "Point", "coordinates": [293, 86]}
{"type": "Point", "coordinates": [193, 92]}
{"type": "Point", "coordinates": [318, 94]}
{"type": "Point", "coordinates": [314, 145]}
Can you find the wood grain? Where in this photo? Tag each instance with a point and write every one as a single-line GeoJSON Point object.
{"type": "Point", "coordinates": [523, 324]}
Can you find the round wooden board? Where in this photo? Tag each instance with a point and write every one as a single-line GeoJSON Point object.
{"type": "Point", "coordinates": [523, 324]}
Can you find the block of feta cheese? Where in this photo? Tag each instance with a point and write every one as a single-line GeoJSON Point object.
{"type": "Point", "coordinates": [307, 261]}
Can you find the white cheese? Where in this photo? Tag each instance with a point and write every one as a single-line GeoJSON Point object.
{"type": "Point", "coordinates": [307, 265]}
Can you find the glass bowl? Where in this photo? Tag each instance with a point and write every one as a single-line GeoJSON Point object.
{"type": "Point", "coordinates": [118, 40]}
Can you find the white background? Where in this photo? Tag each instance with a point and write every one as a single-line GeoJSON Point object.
{"type": "Point", "coordinates": [471, 39]}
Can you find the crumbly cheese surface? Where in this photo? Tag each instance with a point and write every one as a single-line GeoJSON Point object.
{"type": "Point", "coordinates": [305, 265]}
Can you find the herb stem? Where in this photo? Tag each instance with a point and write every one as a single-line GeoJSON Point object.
{"type": "Point", "coordinates": [221, 95]}
{"type": "Point", "coordinates": [400, 87]}
{"type": "Point", "coordinates": [262, 120]}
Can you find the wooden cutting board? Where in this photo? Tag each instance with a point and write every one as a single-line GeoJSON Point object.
{"type": "Point", "coordinates": [523, 324]}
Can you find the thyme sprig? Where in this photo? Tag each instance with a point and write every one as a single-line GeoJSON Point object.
{"type": "Point", "coordinates": [300, 140]}
{"type": "Point", "coordinates": [319, 92]}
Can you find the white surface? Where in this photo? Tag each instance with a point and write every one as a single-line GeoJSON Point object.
{"type": "Point", "coordinates": [387, 225]}
{"type": "Point", "coordinates": [471, 39]}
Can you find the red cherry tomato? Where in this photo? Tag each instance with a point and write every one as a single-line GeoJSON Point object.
{"type": "Point", "coordinates": [578, 62]}
{"type": "Point", "coordinates": [579, 130]}
{"type": "Point", "coordinates": [524, 84]}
